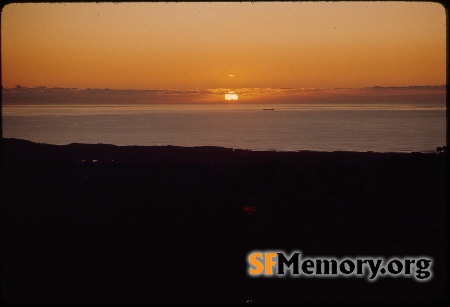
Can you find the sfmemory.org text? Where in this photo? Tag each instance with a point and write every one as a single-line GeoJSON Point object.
{"type": "Point", "coordinates": [279, 264]}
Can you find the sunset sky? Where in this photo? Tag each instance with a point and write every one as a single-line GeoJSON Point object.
{"type": "Point", "coordinates": [215, 47]}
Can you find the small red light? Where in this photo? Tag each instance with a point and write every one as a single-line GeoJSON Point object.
{"type": "Point", "coordinates": [249, 209]}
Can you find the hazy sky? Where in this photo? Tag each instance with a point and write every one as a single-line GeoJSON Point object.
{"type": "Point", "coordinates": [189, 46]}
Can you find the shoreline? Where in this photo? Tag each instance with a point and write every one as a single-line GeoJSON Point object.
{"type": "Point", "coordinates": [209, 156]}
{"type": "Point", "coordinates": [17, 141]}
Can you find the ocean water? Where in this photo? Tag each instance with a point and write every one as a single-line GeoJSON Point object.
{"type": "Point", "coordinates": [289, 127]}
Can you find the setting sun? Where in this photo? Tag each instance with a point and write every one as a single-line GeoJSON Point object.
{"type": "Point", "coordinates": [231, 96]}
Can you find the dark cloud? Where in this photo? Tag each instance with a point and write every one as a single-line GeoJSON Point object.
{"type": "Point", "coordinates": [43, 94]}
{"type": "Point", "coordinates": [376, 94]}
{"type": "Point", "coordinates": [403, 88]}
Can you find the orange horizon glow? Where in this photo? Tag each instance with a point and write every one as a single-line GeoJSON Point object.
{"type": "Point", "coordinates": [235, 46]}
{"type": "Point", "coordinates": [428, 95]}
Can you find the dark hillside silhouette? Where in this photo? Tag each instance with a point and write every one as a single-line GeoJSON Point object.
{"type": "Point", "coordinates": [113, 224]}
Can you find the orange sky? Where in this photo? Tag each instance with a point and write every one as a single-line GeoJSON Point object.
{"type": "Point", "coordinates": [190, 46]}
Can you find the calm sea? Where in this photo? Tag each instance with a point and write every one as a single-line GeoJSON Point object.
{"type": "Point", "coordinates": [290, 127]}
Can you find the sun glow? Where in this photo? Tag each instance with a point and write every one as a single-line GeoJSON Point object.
{"type": "Point", "coordinates": [138, 45]}
{"type": "Point", "coordinates": [231, 96]}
